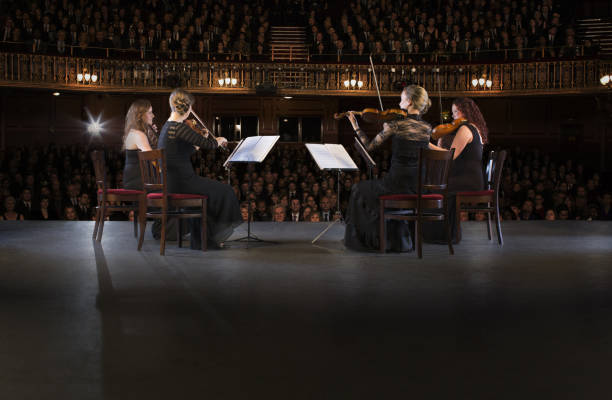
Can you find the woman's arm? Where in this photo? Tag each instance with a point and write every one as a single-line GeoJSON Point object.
{"type": "Point", "coordinates": [192, 137]}
{"type": "Point", "coordinates": [141, 141]}
{"type": "Point", "coordinates": [434, 147]}
{"type": "Point", "coordinates": [462, 138]}
{"type": "Point", "coordinates": [363, 138]}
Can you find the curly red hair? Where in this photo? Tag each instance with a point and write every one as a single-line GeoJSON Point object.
{"type": "Point", "coordinates": [472, 113]}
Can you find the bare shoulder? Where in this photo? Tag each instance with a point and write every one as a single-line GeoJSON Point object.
{"type": "Point", "coordinates": [136, 133]}
{"type": "Point", "coordinates": [464, 133]}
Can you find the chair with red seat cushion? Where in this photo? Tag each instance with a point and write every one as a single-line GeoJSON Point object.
{"type": "Point", "coordinates": [113, 199]}
{"type": "Point", "coordinates": [166, 205]}
{"type": "Point", "coordinates": [433, 171]}
{"type": "Point", "coordinates": [487, 200]}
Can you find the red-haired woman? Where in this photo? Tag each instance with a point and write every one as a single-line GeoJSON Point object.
{"type": "Point", "coordinates": [466, 173]}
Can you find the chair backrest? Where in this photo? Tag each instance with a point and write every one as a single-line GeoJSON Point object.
{"type": "Point", "coordinates": [489, 168]}
{"type": "Point", "coordinates": [434, 169]}
{"type": "Point", "coordinates": [497, 170]}
{"type": "Point", "coordinates": [153, 170]}
{"type": "Point", "coordinates": [97, 157]}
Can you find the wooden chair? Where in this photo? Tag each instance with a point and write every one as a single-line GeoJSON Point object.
{"type": "Point", "coordinates": [487, 200]}
{"type": "Point", "coordinates": [433, 171]}
{"type": "Point", "coordinates": [106, 197]}
{"type": "Point", "coordinates": [166, 205]}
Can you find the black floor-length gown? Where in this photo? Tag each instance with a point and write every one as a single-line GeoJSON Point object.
{"type": "Point", "coordinates": [466, 175]}
{"type": "Point", "coordinates": [223, 213]}
{"type": "Point", "coordinates": [362, 219]}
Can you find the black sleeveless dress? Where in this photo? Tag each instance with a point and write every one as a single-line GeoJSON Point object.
{"type": "Point", "coordinates": [223, 209]}
{"type": "Point", "coordinates": [466, 175]}
{"type": "Point", "coordinates": [362, 218]}
{"type": "Point", "coordinates": [132, 178]}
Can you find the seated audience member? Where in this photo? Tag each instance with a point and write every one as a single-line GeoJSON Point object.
{"type": "Point", "coordinates": [295, 214]}
{"type": "Point", "coordinates": [315, 217]}
{"type": "Point", "coordinates": [279, 214]}
{"type": "Point", "coordinates": [605, 212]}
{"type": "Point", "coordinates": [9, 211]}
{"type": "Point", "coordinates": [44, 212]}
{"type": "Point", "coordinates": [70, 214]}
{"type": "Point", "coordinates": [84, 210]}
{"type": "Point", "coordinates": [24, 205]}
{"type": "Point", "coordinates": [261, 213]}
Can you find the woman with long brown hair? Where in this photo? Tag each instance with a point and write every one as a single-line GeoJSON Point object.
{"type": "Point", "coordinates": [466, 173]}
{"type": "Point", "coordinates": [138, 135]}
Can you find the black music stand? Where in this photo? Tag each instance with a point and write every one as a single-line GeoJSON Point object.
{"type": "Point", "coordinates": [331, 157]}
{"type": "Point", "coordinates": [366, 156]}
{"type": "Point", "coordinates": [251, 150]}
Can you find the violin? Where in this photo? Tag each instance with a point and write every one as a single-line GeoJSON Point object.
{"type": "Point", "coordinates": [447, 129]}
{"type": "Point", "coordinates": [198, 126]}
{"type": "Point", "coordinates": [372, 115]}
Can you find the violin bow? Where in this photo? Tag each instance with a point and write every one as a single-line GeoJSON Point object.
{"type": "Point", "coordinates": [376, 82]}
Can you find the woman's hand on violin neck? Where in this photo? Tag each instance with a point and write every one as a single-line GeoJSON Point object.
{"type": "Point", "coordinates": [222, 142]}
{"type": "Point", "coordinates": [154, 128]}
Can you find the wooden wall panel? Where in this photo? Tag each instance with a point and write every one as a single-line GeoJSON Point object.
{"type": "Point", "coordinates": [36, 117]}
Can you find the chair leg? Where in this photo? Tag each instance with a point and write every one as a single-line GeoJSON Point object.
{"type": "Point", "coordinates": [419, 237]}
{"type": "Point", "coordinates": [142, 217]}
{"type": "Point", "coordinates": [135, 224]}
{"type": "Point", "coordinates": [449, 236]}
{"type": "Point", "coordinates": [489, 227]}
{"type": "Point", "coordinates": [95, 232]}
{"type": "Point", "coordinates": [458, 219]}
{"type": "Point", "coordinates": [382, 229]}
{"type": "Point", "coordinates": [179, 233]}
{"type": "Point", "coordinates": [500, 238]}
{"type": "Point", "coordinates": [203, 226]}
{"type": "Point", "coordinates": [162, 242]}
{"type": "Point", "coordinates": [101, 226]}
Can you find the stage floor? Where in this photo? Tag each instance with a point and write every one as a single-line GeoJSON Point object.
{"type": "Point", "coordinates": [291, 320]}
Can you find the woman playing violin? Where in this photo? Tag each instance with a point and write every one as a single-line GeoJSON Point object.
{"type": "Point", "coordinates": [139, 133]}
{"type": "Point", "coordinates": [408, 135]}
{"type": "Point", "coordinates": [179, 140]}
{"type": "Point", "coordinates": [466, 173]}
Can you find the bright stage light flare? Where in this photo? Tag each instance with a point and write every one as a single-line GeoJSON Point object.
{"type": "Point", "coordinates": [94, 125]}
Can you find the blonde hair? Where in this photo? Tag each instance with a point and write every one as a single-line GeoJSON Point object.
{"type": "Point", "coordinates": [134, 118]}
{"type": "Point", "coordinates": [180, 101]}
{"type": "Point", "coordinates": [419, 97]}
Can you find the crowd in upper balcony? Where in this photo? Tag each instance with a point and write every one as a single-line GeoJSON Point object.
{"type": "Point", "coordinates": [393, 31]}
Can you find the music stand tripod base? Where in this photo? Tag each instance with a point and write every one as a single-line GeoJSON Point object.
{"type": "Point", "coordinates": [336, 213]}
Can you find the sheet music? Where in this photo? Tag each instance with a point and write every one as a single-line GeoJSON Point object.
{"type": "Point", "coordinates": [254, 149]}
{"type": "Point", "coordinates": [331, 156]}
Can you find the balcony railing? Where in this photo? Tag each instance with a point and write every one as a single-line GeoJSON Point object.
{"type": "Point", "coordinates": [508, 78]}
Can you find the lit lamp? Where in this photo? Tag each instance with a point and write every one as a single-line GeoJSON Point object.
{"type": "Point", "coordinates": [605, 80]}
{"type": "Point", "coordinates": [482, 82]}
{"type": "Point", "coordinates": [352, 83]}
{"type": "Point", "coordinates": [94, 78]}
{"type": "Point", "coordinates": [228, 81]}
{"type": "Point", "coordinates": [221, 82]}
{"type": "Point", "coordinates": [79, 77]}
{"type": "Point", "coordinates": [234, 81]}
